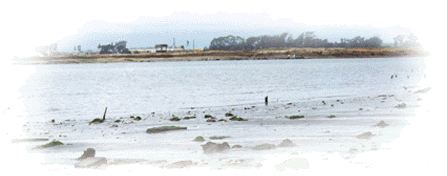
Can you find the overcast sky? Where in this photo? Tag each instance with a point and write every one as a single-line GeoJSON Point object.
{"type": "Point", "coordinates": [33, 23]}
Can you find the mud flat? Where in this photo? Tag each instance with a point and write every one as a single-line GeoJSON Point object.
{"type": "Point", "coordinates": [266, 54]}
{"type": "Point", "coordinates": [347, 141]}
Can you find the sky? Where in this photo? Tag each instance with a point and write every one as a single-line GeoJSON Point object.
{"type": "Point", "coordinates": [34, 23]}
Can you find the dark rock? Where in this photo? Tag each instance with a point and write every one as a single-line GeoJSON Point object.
{"type": "Point", "coordinates": [164, 128]}
{"type": "Point", "coordinates": [210, 120]}
{"type": "Point", "coordinates": [211, 147]}
{"type": "Point", "coordinates": [366, 135]}
{"type": "Point", "coordinates": [90, 152]}
{"type": "Point", "coordinates": [286, 143]}
{"type": "Point", "coordinates": [381, 124]}
{"type": "Point", "coordinates": [91, 162]}
{"type": "Point", "coordinates": [264, 147]}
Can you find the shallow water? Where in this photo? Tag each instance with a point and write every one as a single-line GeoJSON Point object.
{"type": "Point", "coordinates": [82, 91]}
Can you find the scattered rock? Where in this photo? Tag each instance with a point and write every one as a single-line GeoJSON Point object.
{"type": "Point", "coordinates": [294, 164]}
{"type": "Point", "coordinates": [381, 124]}
{"type": "Point", "coordinates": [237, 146]}
{"type": "Point", "coordinates": [211, 147]}
{"type": "Point", "coordinates": [353, 150]}
{"type": "Point", "coordinates": [199, 139]}
{"type": "Point", "coordinates": [218, 137]}
{"type": "Point", "coordinates": [264, 147]}
{"type": "Point", "coordinates": [90, 152]}
{"type": "Point", "coordinates": [138, 118]}
{"type": "Point", "coordinates": [126, 161]}
{"type": "Point", "coordinates": [400, 106]}
{"type": "Point", "coordinates": [91, 162]}
{"type": "Point", "coordinates": [50, 144]}
{"type": "Point", "coordinates": [286, 143]}
{"type": "Point", "coordinates": [210, 120]}
{"type": "Point", "coordinates": [423, 90]}
{"type": "Point", "coordinates": [181, 164]}
{"type": "Point", "coordinates": [164, 128]}
{"type": "Point", "coordinates": [208, 116]}
{"type": "Point", "coordinates": [366, 135]}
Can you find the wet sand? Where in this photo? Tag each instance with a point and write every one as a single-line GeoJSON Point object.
{"type": "Point", "coordinates": [322, 144]}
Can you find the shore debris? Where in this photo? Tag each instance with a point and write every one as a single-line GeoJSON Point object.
{"type": "Point", "coordinates": [90, 152]}
{"type": "Point", "coordinates": [366, 135]}
{"type": "Point", "coordinates": [331, 116]}
{"type": "Point", "coordinates": [295, 117]}
{"type": "Point", "coordinates": [264, 147]}
{"type": "Point", "coordinates": [199, 139]}
{"type": "Point", "coordinates": [211, 147]}
{"type": "Point", "coordinates": [91, 162]}
{"type": "Point", "coordinates": [381, 124]}
{"type": "Point", "coordinates": [164, 128]}
{"type": "Point", "coordinates": [229, 114]}
{"type": "Point", "coordinates": [286, 143]}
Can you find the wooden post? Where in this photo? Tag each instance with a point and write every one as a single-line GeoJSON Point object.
{"type": "Point", "coordinates": [104, 117]}
{"type": "Point", "coordinates": [266, 100]}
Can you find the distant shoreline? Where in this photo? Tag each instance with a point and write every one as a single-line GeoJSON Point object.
{"type": "Point", "coordinates": [265, 54]}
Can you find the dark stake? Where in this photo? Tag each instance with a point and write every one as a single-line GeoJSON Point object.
{"type": "Point", "coordinates": [104, 117]}
{"type": "Point", "coordinates": [266, 100]}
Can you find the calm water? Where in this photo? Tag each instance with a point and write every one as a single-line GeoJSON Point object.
{"type": "Point", "coordinates": [82, 91]}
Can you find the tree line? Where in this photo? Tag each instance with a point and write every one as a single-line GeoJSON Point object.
{"type": "Point", "coordinates": [118, 47]}
{"type": "Point", "coordinates": [306, 39]}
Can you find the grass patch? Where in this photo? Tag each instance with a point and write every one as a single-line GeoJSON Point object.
{"type": "Point", "coordinates": [236, 118]}
{"type": "Point", "coordinates": [199, 139]}
{"type": "Point", "coordinates": [331, 116]}
{"type": "Point", "coordinates": [138, 118]}
{"type": "Point", "coordinates": [189, 117]}
{"type": "Point", "coordinates": [97, 120]}
{"type": "Point", "coordinates": [50, 144]}
{"type": "Point", "coordinates": [117, 121]}
{"type": "Point", "coordinates": [174, 118]}
{"type": "Point", "coordinates": [222, 120]}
